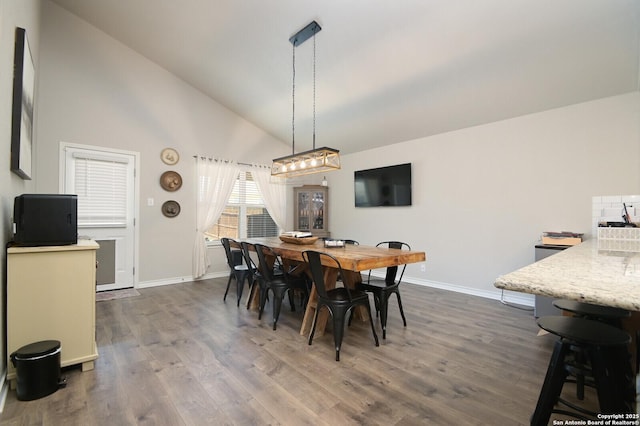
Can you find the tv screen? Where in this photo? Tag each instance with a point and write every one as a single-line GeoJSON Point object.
{"type": "Point", "coordinates": [383, 186]}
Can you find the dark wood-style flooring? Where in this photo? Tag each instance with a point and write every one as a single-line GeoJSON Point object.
{"type": "Point", "coordinates": [178, 355]}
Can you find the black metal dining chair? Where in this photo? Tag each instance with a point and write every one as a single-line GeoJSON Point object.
{"type": "Point", "coordinates": [382, 289]}
{"type": "Point", "coordinates": [239, 272]}
{"type": "Point", "coordinates": [279, 284]}
{"type": "Point", "coordinates": [338, 301]}
{"type": "Point", "coordinates": [253, 271]}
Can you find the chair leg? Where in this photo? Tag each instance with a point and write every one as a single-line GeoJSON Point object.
{"type": "Point", "coordinates": [239, 287]}
{"type": "Point", "coordinates": [250, 283]}
{"type": "Point", "coordinates": [277, 305]}
{"type": "Point", "coordinates": [404, 320]}
{"type": "Point", "coordinates": [338, 330]}
{"type": "Point", "coordinates": [620, 361]}
{"type": "Point", "coordinates": [552, 386]}
{"type": "Point", "coordinates": [240, 280]}
{"type": "Point", "coordinates": [638, 350]}
{"type": "Point", "coordinates": [224, 299]}
{"type": "Point", "coordinates": [606, 389]}
{"type": "Point", "coordinates": [373, 328]}
{"type": "Point", "coordinates": [292, 302]}
{"type": "Point", "coordinates": [313, 324]}
{"type": "Point", "coordinates": [614, 380]}
{"type": "Point", "coordinates": [263, 300]}
{"type": "Point", "coordinates": [376, 302]}
{"type": "Point", "coordinates": [384, 306]}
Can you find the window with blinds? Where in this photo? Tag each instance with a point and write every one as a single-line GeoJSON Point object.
{"type": "Point", "coordinates": [101, 186]}
{"type": "Point", "coordinates": [245, 215]}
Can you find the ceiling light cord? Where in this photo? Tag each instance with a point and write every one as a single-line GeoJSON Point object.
{"type": "Point", "coordinates": [293, 103]}
{"type": "Point", "coordinates": [314, 90]}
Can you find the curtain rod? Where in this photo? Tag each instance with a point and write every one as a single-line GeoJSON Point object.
{"type": "Point", "coordinates": [229, 161]}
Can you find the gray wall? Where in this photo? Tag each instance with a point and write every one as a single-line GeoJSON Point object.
{"type": "Point", "coordinates": [482, 196]}
{"type": "Point", "coordinates": [96, 91]}
{"type": "Point", "coordinates": [24, 14]}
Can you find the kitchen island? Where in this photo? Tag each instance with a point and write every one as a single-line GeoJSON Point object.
{"type": "Point", "coordinates": [598, 272]}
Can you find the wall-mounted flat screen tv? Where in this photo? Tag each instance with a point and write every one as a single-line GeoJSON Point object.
{"type": "Point", "coordinates": [383, 186]}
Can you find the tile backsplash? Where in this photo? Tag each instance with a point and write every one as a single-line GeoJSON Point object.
{"type": "Point", "coordinates": [609, 208]}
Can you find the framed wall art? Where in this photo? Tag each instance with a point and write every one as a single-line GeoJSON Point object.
{"type": "Point", "coordinates": [23, 107]}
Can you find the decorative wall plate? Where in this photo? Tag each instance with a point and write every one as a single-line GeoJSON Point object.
{"type": "Point", "coordinates": [170, 208]}
{"type": "Point", "coordinates": [169, 156]}
{"type": "Point", "coordinates": [171, 181]}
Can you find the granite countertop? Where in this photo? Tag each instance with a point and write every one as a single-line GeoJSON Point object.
{"type": "Point", "coordinates": [599, 272]}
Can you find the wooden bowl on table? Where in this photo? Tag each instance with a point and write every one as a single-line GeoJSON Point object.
{"type": "Point", "coordinates": [301, 241]}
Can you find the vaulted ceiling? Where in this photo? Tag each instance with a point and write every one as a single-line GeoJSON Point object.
{"type": "Point", "coordinates": [387, 71]}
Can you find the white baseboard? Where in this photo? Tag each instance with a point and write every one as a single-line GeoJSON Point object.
{"type": "Point", "coordinates": [177, 280]}
{"type": "Point", "coordinates": [509, 297]}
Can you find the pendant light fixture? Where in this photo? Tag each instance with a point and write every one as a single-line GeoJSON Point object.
{"type": "Point", "coordinates": [317, 159]}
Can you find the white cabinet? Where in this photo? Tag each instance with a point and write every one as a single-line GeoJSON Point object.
{"type": "Point", "coordinates": [51, 295]}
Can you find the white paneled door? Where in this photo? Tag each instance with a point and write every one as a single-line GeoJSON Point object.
{"type": "Point", "coordinates": [104, 181]}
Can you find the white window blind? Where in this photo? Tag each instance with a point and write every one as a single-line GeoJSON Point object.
{"type": "Point", "coordinates": [100, 184]}
{"type": "Point", "coordinates": [245, 214]}
{"type": "Point", "coordinates": [245, 191]}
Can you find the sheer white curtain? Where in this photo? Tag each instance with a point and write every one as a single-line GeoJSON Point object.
{"type": "Point", "coordinates": [215, 183]}
{"type": "Point", "coordinates": [274, 194]}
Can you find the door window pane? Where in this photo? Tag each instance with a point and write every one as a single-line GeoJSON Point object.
{"type": "Point", "coordinates": [101, 186]}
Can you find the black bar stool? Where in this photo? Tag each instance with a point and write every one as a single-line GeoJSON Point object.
{"type": "Point", "coordinates": [605, 350]}
{"type": "Point", "coordinates": [606, 314]}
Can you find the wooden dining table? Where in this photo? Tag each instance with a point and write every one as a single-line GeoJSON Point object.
{"type": "Point", "coordinates": [354, 259]}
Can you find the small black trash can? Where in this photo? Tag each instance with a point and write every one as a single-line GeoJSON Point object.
{"type": "Point", "coordinates": [37, 369]}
